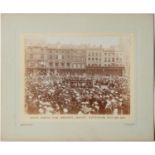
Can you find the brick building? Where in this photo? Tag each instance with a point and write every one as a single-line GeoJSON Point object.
{"type": "Point", "coordinates": [76, 59]}
{"type": "Point", "coordinates": [45, 58]}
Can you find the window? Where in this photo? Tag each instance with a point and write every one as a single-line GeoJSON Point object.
{"type": "Point", "coordinates": [31, 56]}
{"type": "Point", "coordinates": [51, 64]}
{"type": "Point", "coordinates": [56, 64]}
{"type": "Point", "coordinates": [68, 64]}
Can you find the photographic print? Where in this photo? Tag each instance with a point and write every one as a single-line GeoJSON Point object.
{"type": "Point", "coordinates": [85, 77]}
{"type": "Point", "coordinates": [77, 75]}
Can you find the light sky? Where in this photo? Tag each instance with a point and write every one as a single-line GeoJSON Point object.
{"type": "Point", "coordinates": [108, 41]}
{"type": "Point", "coordinates": [99, 40]}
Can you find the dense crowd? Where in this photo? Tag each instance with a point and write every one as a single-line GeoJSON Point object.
{"type": "Point", "coordinates": [76, 94]}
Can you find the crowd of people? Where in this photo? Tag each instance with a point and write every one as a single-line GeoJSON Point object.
{"type": "Point", "coordinates": [69, 93]}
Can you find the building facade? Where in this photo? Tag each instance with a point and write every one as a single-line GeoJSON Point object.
{"type": "Point", "coordinates": [50, 59]}
{"type": "Point", "coordinates": [95, 60]}
{"type": "Point", "coordinates": [94, 57]}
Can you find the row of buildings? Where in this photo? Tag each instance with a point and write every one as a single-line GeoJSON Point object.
{"type": "Point", "coordinates": [91, 59]}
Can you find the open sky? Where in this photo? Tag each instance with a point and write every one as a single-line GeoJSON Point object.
{"type": "Point", "coordinates": [92, 40]}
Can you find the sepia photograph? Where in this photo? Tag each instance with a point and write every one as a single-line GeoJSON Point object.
{"type": "Point", "coordinates": [77, 77]}
{"type": "Point", "coordinates": [77, 74]}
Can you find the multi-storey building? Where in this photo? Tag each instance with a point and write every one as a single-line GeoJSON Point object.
{"type": "Point", "coordinates": [92, 60]}
{"type": "Point", "coordinates": [105, 61]}
{"type": "Point", "coordinates": [112, 58]}
{"type": "Point", "coordinates": [104, 58]}
{"type": "Point", "coordinates": [94, 57]}
{"type": "Point", "coordinates": [45, 58]}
